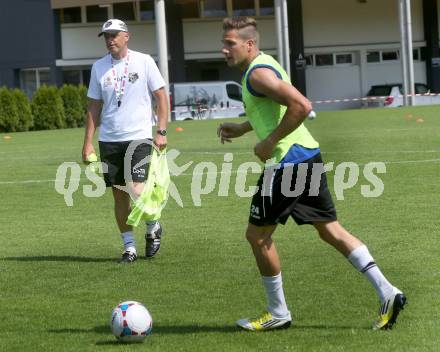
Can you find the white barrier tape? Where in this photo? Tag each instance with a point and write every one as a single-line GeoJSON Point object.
{"type": "Point", "coordinates": [200, 110]}
{"type": "Point", "coordinates": [326, 101]}
{"type": "Point", "coordinates": [347, 100]}
{"type": "Point", "coordinates": [311, 115]}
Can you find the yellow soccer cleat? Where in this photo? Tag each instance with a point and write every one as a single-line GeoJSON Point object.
{"type": "Point", "coordinates": [265, 322]}
{"type": "Point", "coordinates": [389, 310]}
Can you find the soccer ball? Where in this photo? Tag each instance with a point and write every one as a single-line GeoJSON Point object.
{"type": "Point", "coordinates": [131, 321]}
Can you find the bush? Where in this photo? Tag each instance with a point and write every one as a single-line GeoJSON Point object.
{"type": "Point", "coordinates": [73, 108]}
{"type": "Point", "coordinates": [47, 109]}
{"type": "Point", "coordinates": [84, 100]}
{"type": "Point", "coordinates": [8, 111]}
{"type": "Point", "coordinates": [25, 118]}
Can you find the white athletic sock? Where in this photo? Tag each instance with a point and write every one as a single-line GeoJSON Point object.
{"type": "Point", "coordinates": [152, 226]}
{"type": "Point", "coordinates": [128, 240]}
{"type": "Point", "coordinates": [275, 296]}
{"type": "Point", "coordinates": [364, 262]}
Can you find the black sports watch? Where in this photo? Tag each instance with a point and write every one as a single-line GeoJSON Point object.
{"type": "Point", "coordinates": [162, 132]}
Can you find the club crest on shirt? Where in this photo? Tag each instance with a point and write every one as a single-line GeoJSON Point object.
{"type": "Point", "coordinates": [107, 82]}
{"type": "Point", "coordinates": [133, 77]}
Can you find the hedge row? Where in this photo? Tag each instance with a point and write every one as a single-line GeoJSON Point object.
{"type": "Point", "coordinates": [50, 108]}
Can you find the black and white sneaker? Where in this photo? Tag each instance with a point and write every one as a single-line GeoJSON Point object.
{"type": "Point", "coordinates": [152, 245]}
{"type": "Point", "coordinates": [128, 257]}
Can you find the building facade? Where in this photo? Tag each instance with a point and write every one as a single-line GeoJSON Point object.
{"type": "Point", "coordinates": [339, 48]}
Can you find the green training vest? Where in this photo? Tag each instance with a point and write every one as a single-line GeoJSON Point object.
{"type": "Point", "coordinates": [264, 114]}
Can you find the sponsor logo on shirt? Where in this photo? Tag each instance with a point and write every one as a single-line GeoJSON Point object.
{"type": "Point", "coordinates": [133, 77]}
{"type": "Point", "coordinates": [107, 82]}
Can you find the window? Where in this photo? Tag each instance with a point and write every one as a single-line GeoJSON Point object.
{"type": "Point", "coordinates": [380, 90]}
{"type": "Point", "coordinates": [324, 59]}
{"type": "Point", "coordinates": [76, 76]}
{"type": "Point", "coordinates": [190, 9]}
{"type": "Point", "coordinates": [421, 88]}
{"type": "Point", "coordinates": [234, 91]}
{"type": "Point", "coordinates": [309, 60]}
{"type": "Point", "coordinates": [423, 53]}
{"type": "Point", "coordinates": [146, 10]}
{"type": "Point", "coordinates": [97, 13]}
{"type": "Point", "coordinates": [32, 79]}
{"type": "Point", "coordinates": [373, 56]}
{"type": "Point", "coordinates": [330, 59]}
{"type": "Point", "coordinates": [72, 77]}
{"type": "Point", "coordinates": [390, 55]}
{"type": "Point", "coordinates": [382, 56]}
{"type": "Point", "coordinates": [214, 8]}
{"type": "Point", "coordinates": [28, 82]}
{"type": "Point", "coordinates": [70, 15]}
{"type": "Point", "coordinates": [344, 59]}
{"type": "Point", "coordinates": [124, 11]}
{"type": "Point", "coordinates": [43, 76]}
{"type": "Point", "coordinates": [419, 54]}
{"type": "Point", "coordinates": [86, 77]}
{"type": "Point", "coordinates": [416, 55]}
{"type": "Point", "coordinates": [244, 8]}
{"type": "Point", "coordinates": [267, 7]}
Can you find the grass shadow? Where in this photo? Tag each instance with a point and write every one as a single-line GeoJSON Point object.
{"type": "Point", "coordinates": [100, 329]}
{"type": "Point", "coordinates": [329, 327]}
{"type": "Point", "coordinates": [176, 329]}
{"type": "Point", "coordinates": [57, 258]}
{"type": "Point", "coordinates": [157, 329]}
{"type": "Point", "coordinates": [192, 329]}
{"type": "Point", "coordinates": [188, 329]}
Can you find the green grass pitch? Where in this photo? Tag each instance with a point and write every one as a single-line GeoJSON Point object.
{"type": "Point", "coordinates": [59, 281]}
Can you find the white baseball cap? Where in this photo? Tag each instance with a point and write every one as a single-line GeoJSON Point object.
{"type": "Point", "coordinates": [113, 25]}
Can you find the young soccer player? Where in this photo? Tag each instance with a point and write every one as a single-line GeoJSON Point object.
{"type": "Point", "coordinates": [276, 111]}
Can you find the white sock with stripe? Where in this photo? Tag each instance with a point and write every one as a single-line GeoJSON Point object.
{"type": "Point", "coordinates": [128, 241]}
{"type": "Point", "coordinates": [275, 296]}
{"type": "Point", "coordinates": [362, 260]}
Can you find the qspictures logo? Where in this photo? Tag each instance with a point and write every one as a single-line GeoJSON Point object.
{"type": "Point", "coordinates": [207, 178]}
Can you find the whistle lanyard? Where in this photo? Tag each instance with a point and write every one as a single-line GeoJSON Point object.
{"type": "Point", "coordinates": [120, 89]}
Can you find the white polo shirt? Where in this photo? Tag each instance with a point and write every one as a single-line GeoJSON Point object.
{"type": "Point", "coordinates": [132, 120]}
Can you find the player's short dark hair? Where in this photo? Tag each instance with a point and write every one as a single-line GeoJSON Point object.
{"type": "Point", "coordinates": [246, 26]}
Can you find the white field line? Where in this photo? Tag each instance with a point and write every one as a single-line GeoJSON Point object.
{"type": "Point", "coordinates": [326, 152]}
{"type": "Point", "coordinates": [51, 157]}
{"type": "Point", "coordinates": [219, 172]}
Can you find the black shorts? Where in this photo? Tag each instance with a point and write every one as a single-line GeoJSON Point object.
{"type": "Point", "coordinates": [119, 172]}
{"type": "Point", "coordinates": [302, 194]}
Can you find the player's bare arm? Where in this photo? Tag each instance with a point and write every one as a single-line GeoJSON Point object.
{"type": "Point", "coordinates": [265, 81]}
{"type": "Point", "coordinates": [92, 122]}
{"type": "Point", "coordinates": [228, 130]}
{"type": "Point", "coordinates": [161, 98]}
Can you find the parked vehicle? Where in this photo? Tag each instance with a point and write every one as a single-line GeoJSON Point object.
{"type": "Point", "coordinates": [391, 95]}
{"type": "Point", "coordinates": [205, 100]}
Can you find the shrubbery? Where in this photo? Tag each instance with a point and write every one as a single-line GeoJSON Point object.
{"type": "Point", "coordinates": [8, 111]}
{"type": "Point", "coordinates": [72, 103]}
{"type": "Point", "coordinates": [84, 100]}
{"type": "Point", "coordinates": [50, 108]}
{"type": "Point", "coordinates": [25, 118]}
